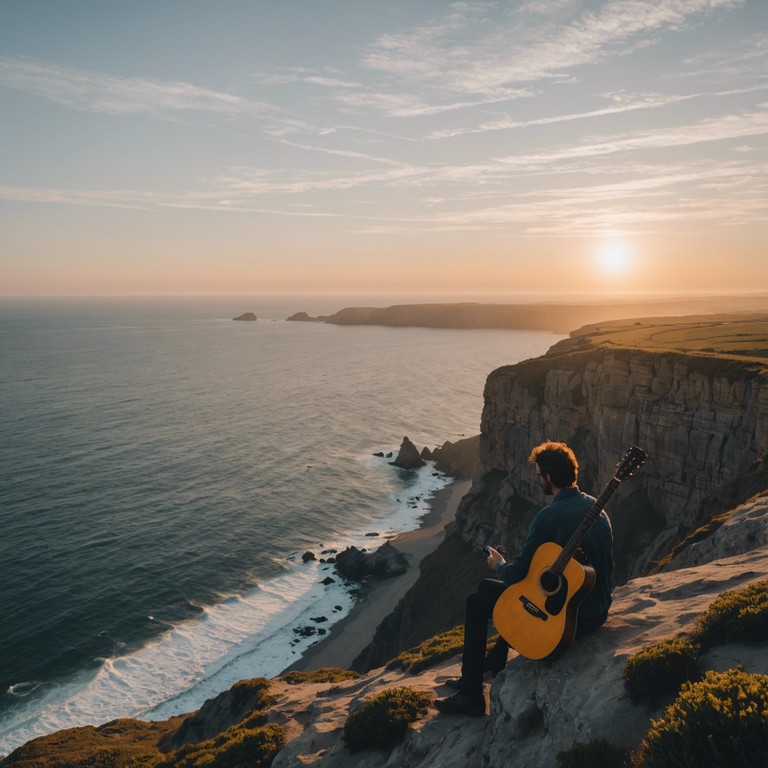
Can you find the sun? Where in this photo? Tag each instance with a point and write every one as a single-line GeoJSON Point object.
{"type": "Point", "coordinates": [615, 259]}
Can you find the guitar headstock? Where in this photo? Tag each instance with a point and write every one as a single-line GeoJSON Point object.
{"type": "Point", "coordinates": [631, 463]}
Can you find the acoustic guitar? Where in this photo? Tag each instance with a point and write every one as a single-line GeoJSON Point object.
{"type": "Point", "coordinates": [537, 615]}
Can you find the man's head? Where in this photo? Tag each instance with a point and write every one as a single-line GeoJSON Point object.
{"type": "Point", "coordinates": [556, 466]}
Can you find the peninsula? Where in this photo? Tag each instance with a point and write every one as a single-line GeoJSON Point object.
{"type": "Point", "coordinates": [549, 316]}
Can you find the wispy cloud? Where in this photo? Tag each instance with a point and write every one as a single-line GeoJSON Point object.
{"type": "Point", "coordinates": [621, 103]}
{"type": "Point", "coordinates": [482, 53]}
{"type": "Point", "coordinates": [100, 92]}
{"type": "Point", "coordinates": [648, 193]}
{"type": "Point", "coordinates": [472, 50]}
{"type": "Point", "coordinates": [726, 127]}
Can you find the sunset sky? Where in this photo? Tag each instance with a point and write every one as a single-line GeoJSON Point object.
{"type": "Point", "coordinates": [343, 146]}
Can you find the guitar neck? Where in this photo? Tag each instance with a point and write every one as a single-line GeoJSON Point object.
{"type": "Point", "coordinates": [580, 533]}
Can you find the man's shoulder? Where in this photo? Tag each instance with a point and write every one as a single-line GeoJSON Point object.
{"type": "Point", "coordinates": [570, 498]}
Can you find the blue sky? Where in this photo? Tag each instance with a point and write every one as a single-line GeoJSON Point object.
{"type": "Point", "coordinates": [188, 147]}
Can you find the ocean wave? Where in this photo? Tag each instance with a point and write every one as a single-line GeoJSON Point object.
{"type": "Point", "coordinates": [256, 634]}
{"type": "Point", "coordinates": [22, 690]}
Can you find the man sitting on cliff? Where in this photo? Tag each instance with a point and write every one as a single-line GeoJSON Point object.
{"type": "Point", "coordinates": [558, 471]}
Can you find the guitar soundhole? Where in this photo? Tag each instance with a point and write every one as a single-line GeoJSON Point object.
{"type": "Point", "coordinates": [549, 582]}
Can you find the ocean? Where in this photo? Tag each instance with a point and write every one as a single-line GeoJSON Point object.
{"type": "Point", "coordinates": [163, 468]}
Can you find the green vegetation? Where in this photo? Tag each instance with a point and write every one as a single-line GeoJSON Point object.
{"type": "Point", "coordinates": [659, 670]}
{"type": "Point", "coordinates": [245, 690]}
{"type": "Point", "coordinates": [594, 754]}
{"type": "Point", "coordinates": [720, 721]}
{"type": "Point", "coordinates": [740, 616]}
{"type": "Point", "coordinates": [127, 743]}
{"type": "Point", "coordinates": [121, 743]}
{"type": "Point", "coordinates": [323, 675]}
{"type": "Point", "coordinates": [241, 746]}
{"type": "Point", "coordinates": [724, 337]}
{"type": "Point", "coordinates": [430, 652]}
{"type": "Point", "coordinates": [383, 720]}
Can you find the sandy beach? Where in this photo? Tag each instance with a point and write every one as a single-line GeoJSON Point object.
{"type": "Point", "coordinates": [350, 636]}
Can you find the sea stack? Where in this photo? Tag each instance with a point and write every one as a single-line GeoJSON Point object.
{"type": "Point", "coordinates": [408, 456]}
{"type": "Point", "coordinates": [246, 316]}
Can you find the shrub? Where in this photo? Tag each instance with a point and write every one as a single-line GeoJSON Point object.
{"type": "Point", "coordinates": [383, 720]}
{"type": "Point", "coordinates": [720, 721]}
{"type": "Point", "coordinates": [735, 616]}
{"type": "Point", "coordinates": [660, 669]}
{"type": "Point", "coordinates": [254, 692]}
{"type": "Point", "coordinates": [119, 757]}
{"type": "Point", "coordinates": [595, 754]}
{"type": "Point", "coordinates": [237, 747]}
{"type": "Point", "coordinates": [323, 675]}
{"type": "Point", "coordinates": [431, 652]}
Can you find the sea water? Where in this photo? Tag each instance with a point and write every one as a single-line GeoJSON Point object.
{"type": "Point", "coordinates": [163, 469]}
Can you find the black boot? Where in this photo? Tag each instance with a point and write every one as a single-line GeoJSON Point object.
{"type": "Point", "coordinates": [462, 704]}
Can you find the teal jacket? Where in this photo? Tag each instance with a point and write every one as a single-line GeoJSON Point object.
{"type": "Point", "coordinates": [556, 522]}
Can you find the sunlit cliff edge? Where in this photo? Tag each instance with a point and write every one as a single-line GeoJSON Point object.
{"type": "Point", "coordinates": [693, 393]}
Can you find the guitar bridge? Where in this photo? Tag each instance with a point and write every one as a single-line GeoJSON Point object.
{"type": "Point", "coordinates": [532, 609]}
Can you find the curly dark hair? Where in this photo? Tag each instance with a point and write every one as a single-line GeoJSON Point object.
{"type": "Point", "coordinates": [558, 461]}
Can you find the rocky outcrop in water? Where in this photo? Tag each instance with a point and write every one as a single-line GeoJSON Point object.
{"type": "Point", "coordinates": [385, 562]}
{"type": "Point", "coordinates": [408, 456]}
{"type": "Point", "coordinates": [248, 316]}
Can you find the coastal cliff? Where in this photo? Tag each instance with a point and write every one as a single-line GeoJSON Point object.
{"type": "Point", "coordinates": [701, 420]}
{"type": "Point", "coordinates": [695, 400]}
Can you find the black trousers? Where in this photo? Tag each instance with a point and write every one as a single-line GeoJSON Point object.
{"type": "Point", "coordinates": [477, 613]}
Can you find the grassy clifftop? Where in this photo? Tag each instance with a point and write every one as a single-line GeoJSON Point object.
{"type": "Point", "coordinates": [742, 337]}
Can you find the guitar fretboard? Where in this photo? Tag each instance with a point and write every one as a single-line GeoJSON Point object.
{"type": "Point", "coordinates": [580, 533]}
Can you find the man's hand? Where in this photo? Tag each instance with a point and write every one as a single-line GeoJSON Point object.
{"type": "Point", "coordinates": [494, 558]}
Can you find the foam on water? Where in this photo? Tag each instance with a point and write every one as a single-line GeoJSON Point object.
{"type": "Point", "coordinates": [249, 635]}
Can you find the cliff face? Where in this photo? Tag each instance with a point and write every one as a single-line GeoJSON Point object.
{"type": "Point", "coordinates": [700, 419]}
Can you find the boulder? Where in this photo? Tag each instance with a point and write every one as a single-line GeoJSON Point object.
{"type": "Point", "coordinates": [385, 562]}
{"type": "Point", "coordinates": [408, 457]}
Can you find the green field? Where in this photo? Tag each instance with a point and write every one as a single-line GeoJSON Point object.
{"type": "Point", "coordinates": [732, 336]}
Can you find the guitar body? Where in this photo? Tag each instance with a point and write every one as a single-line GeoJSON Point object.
{"type": "Point", "coordinates": [537, 616]}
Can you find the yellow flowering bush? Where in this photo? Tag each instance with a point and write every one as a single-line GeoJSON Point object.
{"type": "Point", "coordinates": [740, 616]}
{"type": "Point", "coordinates": [720, 721]}
{"type": "Point", "coordinates": [660, 669]}
{"type": "Point", "coordinates": [383, 721]}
